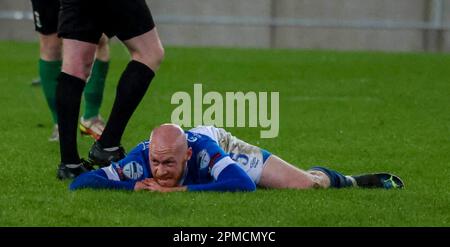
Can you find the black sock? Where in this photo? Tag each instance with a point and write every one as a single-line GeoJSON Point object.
{"type": "Point", "coordinates": [68, 98]}
{"type": "Point", "coordinates": [131, 89]}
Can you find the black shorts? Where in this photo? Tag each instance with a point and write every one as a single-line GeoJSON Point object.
{"type": "Point", "coordinates": [86, 20]}
{"type": "Point", "coordinates": [45, 14]}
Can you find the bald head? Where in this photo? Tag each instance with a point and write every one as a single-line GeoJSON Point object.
{"type": "Point", "coordinates": [169, 154]}
{"type": "Point", "coordinates": [168, 137]}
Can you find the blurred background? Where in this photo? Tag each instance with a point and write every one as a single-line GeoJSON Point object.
{"type": "Point", "coordinates": [383, 25]}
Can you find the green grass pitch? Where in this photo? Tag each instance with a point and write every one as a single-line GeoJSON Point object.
{"type": "Point", "coordinates": [352, 111]}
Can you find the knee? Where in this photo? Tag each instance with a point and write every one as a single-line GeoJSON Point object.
{"type": "Point", "coordinates": [152, 57]}
{"type": "Point", "coordinates": [319, 179]}
{"type": "Point", "coordinates": [159, 55]}
{"type": "Point", "coordinates": [78, 58]}
{"type": "Point", "coordinates": [51, 49]}
{"type": "Point", "coordinates": [79, 69]}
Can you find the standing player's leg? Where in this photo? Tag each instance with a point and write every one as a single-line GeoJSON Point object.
{"type": "Point", "coordinates": [49, 69]}
{"type": "Point", "coordinates": [80, 29]}
{"type": "Point", "coordinates": [46, 23]}
{"type": "Point", "coordinates": [91, 123]}
{"type": "Point", "coordinates": [77, 62]}
{"type": "Point", "coordinates": [142, 40]}
{"type": "Point", "coordinates": [146, 49]}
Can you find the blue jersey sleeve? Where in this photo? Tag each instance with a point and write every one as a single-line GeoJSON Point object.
{"type": "Point", "coordinates": [232, 178]}
{"type": "Point", "coordinates": [134, 166]}
{"type": "Point", "coordinates": [119, 175]}
{"type": "Point", "coordinates": [99, 180]}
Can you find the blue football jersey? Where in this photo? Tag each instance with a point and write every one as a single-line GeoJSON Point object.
{"type": "Point", "coordinates": [207, 161]}
{"type": "Point", "coordinates": [210, 167]}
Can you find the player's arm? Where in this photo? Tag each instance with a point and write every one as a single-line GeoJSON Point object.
{"type": "Point", "coordinates": [228, 176]}
{"type": "Point", "coordinates": [108, 177]}
{"type": "Point", "coordinates": [98, 179]}
{"type": "Point", "coordinates": [232, 178]}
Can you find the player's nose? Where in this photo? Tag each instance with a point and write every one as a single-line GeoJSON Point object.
{"type": "Point", "coordinates": [161, 172]}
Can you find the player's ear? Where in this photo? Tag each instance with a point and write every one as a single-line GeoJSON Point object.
{"type": "Point", "coordinates": [189, 153]}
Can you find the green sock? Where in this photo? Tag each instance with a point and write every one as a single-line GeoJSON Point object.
{"type": "Point", "coordinates": [49, 72]}
{"type": "Point", "coordinates": [93, 92]}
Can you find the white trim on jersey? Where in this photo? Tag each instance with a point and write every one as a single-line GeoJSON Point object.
{"type": "Point", "coordinates": [220, 165]}
{"type": "Point", "coordinates": [111, 173]}
{"type": "Point", "coordinates": [207, 131]}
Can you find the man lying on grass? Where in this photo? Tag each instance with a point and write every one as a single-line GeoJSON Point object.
{"type": "Point", "coordinates": [210, 159]}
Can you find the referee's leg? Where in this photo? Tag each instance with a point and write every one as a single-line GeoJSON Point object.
{"type": "Point", "coordinates": [147, 53]}
{"type": "Point", "coordinates": [77, 62]}
{"type": "Point", "coordinates": [147, 49]}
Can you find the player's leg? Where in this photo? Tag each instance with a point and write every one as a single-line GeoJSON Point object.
{"type": "Point", "coordinates": [46, 22]}
{"type": "Point", "coordinates": [91, 123]}
{"type": "Point", "coordinates": [265, 169]}
{"type": "Point", "coordinates": [49, 69]}
{"type": "Point", "coordinates": [50, 47]}
{"type": "Point", "coordinates": [78, 28]}
{"type": "Point", "coordinates": [141, 38]}
{"type": "Point", "coordinates": [146, 54]}
{"type": "Point", "coordinates": [78, 57]}
{"type": "Point", "coordinates": [270, 171]}
{"type": "Point", "coordinates": [278, 174]}
{"type": "Point", "coordinates": [147, 49]}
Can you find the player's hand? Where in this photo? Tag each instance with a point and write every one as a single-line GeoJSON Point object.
{"type": "Point", "coordinates": [141, 185]}
{"type": "Point", "coordinates": [152, 185]}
